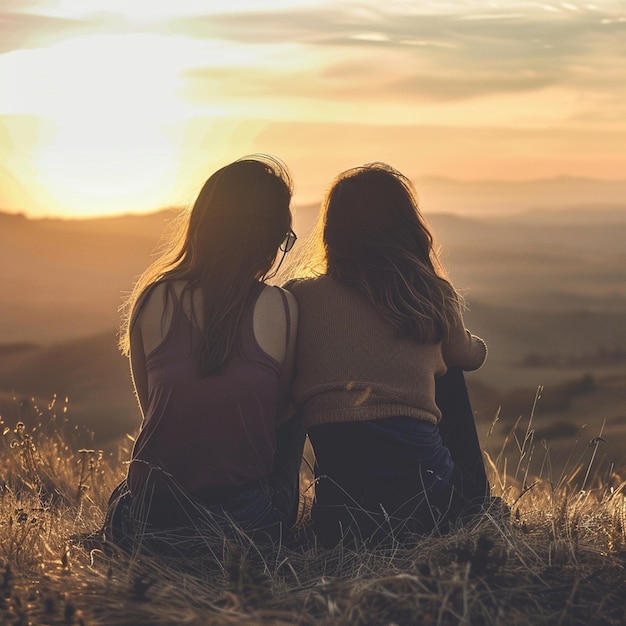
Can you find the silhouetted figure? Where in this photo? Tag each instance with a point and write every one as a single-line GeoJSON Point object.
{"type": "Point", "coordinates": [381, 349]}
{"type": "Point", "coordinates": [212, 351]}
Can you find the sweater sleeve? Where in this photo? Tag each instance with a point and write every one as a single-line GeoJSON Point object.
{"type": "Point", "coordinates": [464, 350]}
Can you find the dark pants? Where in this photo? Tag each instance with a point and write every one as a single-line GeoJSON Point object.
{"type": "Point", "coordinates": [387, 479]}
{"type": "Point", "coordinates": [163, 518]}
{"type": "Point", "coordinates": [458, 433]}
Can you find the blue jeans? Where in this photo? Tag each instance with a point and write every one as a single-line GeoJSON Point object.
{"type": "Point", "coordinates": [384, 479]}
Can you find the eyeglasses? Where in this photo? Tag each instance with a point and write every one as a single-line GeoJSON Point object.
{"type": "Point", "coordinates": [289, 241]}
{"type": "Point", "coordinates": [285, 246]}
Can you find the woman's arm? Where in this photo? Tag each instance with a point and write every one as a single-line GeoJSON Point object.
{"type": "Point", "coordinates": [464, 350]}
{"type": "Point", "coordinates": [275, 329]}
{"type": "Point", "coordinates": [138, 367]}
{"type": "Point", "coordinates": [148, 327]}
{"type": "Point", "coordinates": [289, 365]}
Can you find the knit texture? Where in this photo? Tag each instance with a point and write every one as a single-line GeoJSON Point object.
{"type": "Point", "coordinates": [352, 366]}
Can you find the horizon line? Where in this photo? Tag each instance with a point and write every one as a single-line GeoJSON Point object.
{"type": "Point", "coordinates": [417, 181]}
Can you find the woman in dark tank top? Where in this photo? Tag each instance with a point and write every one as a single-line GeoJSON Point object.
{"type": "Point", "coordinates": [212, 348]}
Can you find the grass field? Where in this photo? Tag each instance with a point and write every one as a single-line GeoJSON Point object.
{"type": "Point", "coordinates": [559, 559]}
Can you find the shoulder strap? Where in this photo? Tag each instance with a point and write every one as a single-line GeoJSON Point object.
{"type": "Point", "coordinates": [141, 301]}
{"type": "Point", "coordinates": [287, 315]}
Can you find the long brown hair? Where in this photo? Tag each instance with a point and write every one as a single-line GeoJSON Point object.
{"type": "Point", "coordinates": [377, 241]}
{"type": "Point", "coordinates": [229, 239]}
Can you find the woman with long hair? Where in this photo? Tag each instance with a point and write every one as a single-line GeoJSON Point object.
{"type": "Point", "coordinates": [212, 350]}
{"type": "Point", "coordinates": [381, 349]}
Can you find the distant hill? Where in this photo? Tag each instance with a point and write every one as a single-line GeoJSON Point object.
{"type": "Point", "coordinates": [539, 286]}
{"type": "Point", "coordinates": [67, 278]}
{"type": "Point", "coordinates": [90, 372]}
{"type": "Point", "coordinates": [549, 195]}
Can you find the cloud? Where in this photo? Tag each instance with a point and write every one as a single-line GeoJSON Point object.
{"type": "Point", "coordinates": [18, 30]}
{"type": "Point", "coordinates": [454, 56]}
{"type": "Point", "coordinates": [431, 57]}
{"type": "Point", "coordinates": [422, 52]}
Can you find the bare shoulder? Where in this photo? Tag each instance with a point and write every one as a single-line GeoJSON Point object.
{"type": "Point", "coordinates": [150, 303]}
{"type": "Point", "coordinates": [154, 316]}
{"type": "Point", "coordinates": [273, 298]}
{"type": "Point", "coordinates": [270, 308]}
{"type": "Point", "coordinates": [271, 324]}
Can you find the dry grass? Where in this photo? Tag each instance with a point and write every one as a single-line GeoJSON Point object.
{"type": "Point", "coordinates": [559, 559]}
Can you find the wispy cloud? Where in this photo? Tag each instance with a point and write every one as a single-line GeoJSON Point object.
{"type": "Point", "coordinates": [23, 30]}
{"type": "Point", "coordinates": [461, 87]}
{"type": "Point", "coordinates": [443, 52]}
{"type": "Point", "coordinates": [431, 57]}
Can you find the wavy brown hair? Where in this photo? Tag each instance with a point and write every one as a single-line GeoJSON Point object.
{"type": "Point", "coordinates": [229, 239]}
{"type": "Point", "coordinates": [376, 240]}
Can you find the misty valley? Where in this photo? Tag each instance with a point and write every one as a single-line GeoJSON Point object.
{"type": "Point", "coordinates": [547, 291]}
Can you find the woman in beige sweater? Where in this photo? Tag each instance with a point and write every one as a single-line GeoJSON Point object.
{"type": "Point", "coordinates": [381, 349]}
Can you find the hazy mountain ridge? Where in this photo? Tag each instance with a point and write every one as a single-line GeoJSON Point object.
{"type": "Point", "coordinates": [90, 372]}
{"type": "Point", "coordinates": [67, 278]}
{"type": "Point", "coordinates": [550, 195]}
{"type": "Point", "coordinates": [539, 288]}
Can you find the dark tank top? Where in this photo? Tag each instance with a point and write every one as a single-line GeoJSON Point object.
{"type": "Point", "coordinates": [212, 433]}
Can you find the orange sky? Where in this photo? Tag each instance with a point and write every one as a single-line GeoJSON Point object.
{"type": "Point", "coordinates": [109, 106]}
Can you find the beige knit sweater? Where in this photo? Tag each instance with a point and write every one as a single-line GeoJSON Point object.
{"type": "Point", "coordinates": [351, 366]}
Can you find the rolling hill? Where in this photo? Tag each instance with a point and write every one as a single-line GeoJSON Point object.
{"type": "Point", "coordinates": [542, 289]}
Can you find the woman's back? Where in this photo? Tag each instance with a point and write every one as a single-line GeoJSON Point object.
{"type": "Point", "coordinates": [218, 431]}
{"type": "Point", "coordinates": [353, 366]}
{"type": "Point", "coordinates": [379, 329]}
{"type": "Point", "coordinates": [212, 350]}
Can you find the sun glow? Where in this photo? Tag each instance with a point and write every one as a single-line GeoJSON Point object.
{"type": "Point", "coordinates": [148, 10]}
{"type": "Point", "coordinates": [114, 121]}
{"type": "Point", "coordinates": [110, 106]}
{"type": "Point", "coordinates": [110, 102]}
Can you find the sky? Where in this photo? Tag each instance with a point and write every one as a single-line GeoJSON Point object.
{"type": "Point", "coordinates": [116, 106]}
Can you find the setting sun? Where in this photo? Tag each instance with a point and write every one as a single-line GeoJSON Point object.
{"type": "Point", "coordinates": [111, 107]}
{"type": "Point", "coordinates": [106, 104]}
